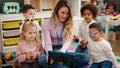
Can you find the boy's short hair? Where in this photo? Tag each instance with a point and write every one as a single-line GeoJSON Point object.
{"type": "Point", "coordinates": [92, 8]}
{"type": "Point", "coordinates": [27, 7]}
{"type": "Point", "coordinates": [96, 26]}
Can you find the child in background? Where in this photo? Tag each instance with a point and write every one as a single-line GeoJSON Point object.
{"type": "Point", "coordinates": [110, 9]}
{"type": "Point", "coordinates": [29, 48]}
{"type": "Point", "coordinates": [100, 50]}
{"type": "Point", "coordinates": [28, 13]}
{"type": "Point", "coordinates": [89, 12]}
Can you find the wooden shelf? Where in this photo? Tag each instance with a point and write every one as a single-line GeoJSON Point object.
{"type": "Point", "coordinates": [42, 5]}
{"type": "Point", "coordinates": [10, 17]}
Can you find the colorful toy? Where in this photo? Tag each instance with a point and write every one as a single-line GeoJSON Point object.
{"type": "Point", "coordinates": [10, 7]}
{"type": "Point", "coordinates": [118, 16]}
{"type": "Point", "coordinates": [0, 60]}
{"type": "Point", "coordinates": [8, 57]}
{"type": "Point", "coordinates": [73, 47]}
{"type": "Point", "coordinates": [3, 58]}
{"type": "Point", "coordinates": [74, 44]}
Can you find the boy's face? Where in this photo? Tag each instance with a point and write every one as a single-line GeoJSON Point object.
{"type": "Point", "coordinates": [94, 34]}
{"type": "Point", "coordinates": [29, 14]}
{"type": "Point", "coordinates": [87, 16]}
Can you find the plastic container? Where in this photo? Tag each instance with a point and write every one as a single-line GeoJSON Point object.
{"type": "Point", "coordinates": [11, 33]}
{"type": "Point", "coordinates": [11, 41]}
{"type": "Point", "coordinates": [11, 24]}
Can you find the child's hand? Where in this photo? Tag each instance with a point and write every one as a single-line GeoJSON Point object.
{"type": "Point", "coordinates": [35, 56]}
{"type": "Point", "coordinates": [28, 56]}
{"type": "Point", "coordinates": [83, 43]}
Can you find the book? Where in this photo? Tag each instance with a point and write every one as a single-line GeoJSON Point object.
{"type": "Point", "coordinates": [73, 47]}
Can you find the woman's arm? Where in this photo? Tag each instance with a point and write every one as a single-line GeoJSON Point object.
{"type": "Point", "coordinates": [66, 45]}
{"type": "Point", "coordinates": [47, 37]}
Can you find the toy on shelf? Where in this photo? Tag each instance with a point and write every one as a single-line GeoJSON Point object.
{"type": "Point", "coordinates": [2, 58]}
{"type": "Point", "coordinates": [8, 57]}
{"type": "Point", "coordinates": [10, 7]}
{"type": "Point", "coordinates": [49, 9]}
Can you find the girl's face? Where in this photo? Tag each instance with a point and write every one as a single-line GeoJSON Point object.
{"type": "Point", "coordinates": [87, 15]}
{"type": "Point", "coordinates": [110, 7]}
{"type": "Point", "coordinates": [63, 13]}
{"type": "Point", "coordinates": [29, 14]}
{"type": "Point", "coordinates": [94, 34]}
{"type": "Point", "coordinates": [30, 34]}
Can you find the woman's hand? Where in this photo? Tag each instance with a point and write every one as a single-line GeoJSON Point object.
{"type": "Point", "coordinates": [51, 60]}
{"type": "Point", "coordinates": [47, 58]}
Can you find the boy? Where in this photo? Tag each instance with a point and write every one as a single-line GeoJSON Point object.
{"type": "Point", "coordinates": [100, 50]}
{"type": "Point", "coordinates": [28, 13]}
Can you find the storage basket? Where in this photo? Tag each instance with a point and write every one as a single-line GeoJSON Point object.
{"type": "Point", "coordinates": [11, 33]}
{"type": "Point", "coordinates": [11, 41]}
{"type": "Point", "coordinates": [38, 20]}
{"type": "Point", "coordinates": [11, 24]}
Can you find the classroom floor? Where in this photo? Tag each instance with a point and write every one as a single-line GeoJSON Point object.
{"type": "Point", "coordinates": [114, 39]}
{"type": "Point", "coordinates": [116, 47]}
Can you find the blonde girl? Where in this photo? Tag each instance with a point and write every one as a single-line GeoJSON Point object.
{"type": "Point", "coordinates": [29, 48]}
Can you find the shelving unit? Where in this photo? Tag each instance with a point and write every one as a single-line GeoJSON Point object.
{"type": "Point", "coordinates": [1, 37]}
{"type": "Point", "coordinates": [15, 18]}
{"type": "Point", "coordinates": [42, 5]}
{"type": "Point", "coordinates": [9, 36]}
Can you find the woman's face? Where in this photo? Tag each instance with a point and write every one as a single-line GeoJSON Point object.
{"type": "Point", "coordinates": [63, 13]}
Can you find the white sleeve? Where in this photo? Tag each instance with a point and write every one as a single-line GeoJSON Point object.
{"type": "Point", "coordinates": [109, 53]}
{"type": "Point", "coordinates": [90, 56]}
{"type": "Point", "coordinates": [80, 33]}
{"type": "Point", "coordinates": [21, 26]}
{"type": "Point", "coordinates": [65, 45]}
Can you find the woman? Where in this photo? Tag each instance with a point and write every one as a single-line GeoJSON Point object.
{"type": "Point", "coordinates": [57, 30]}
